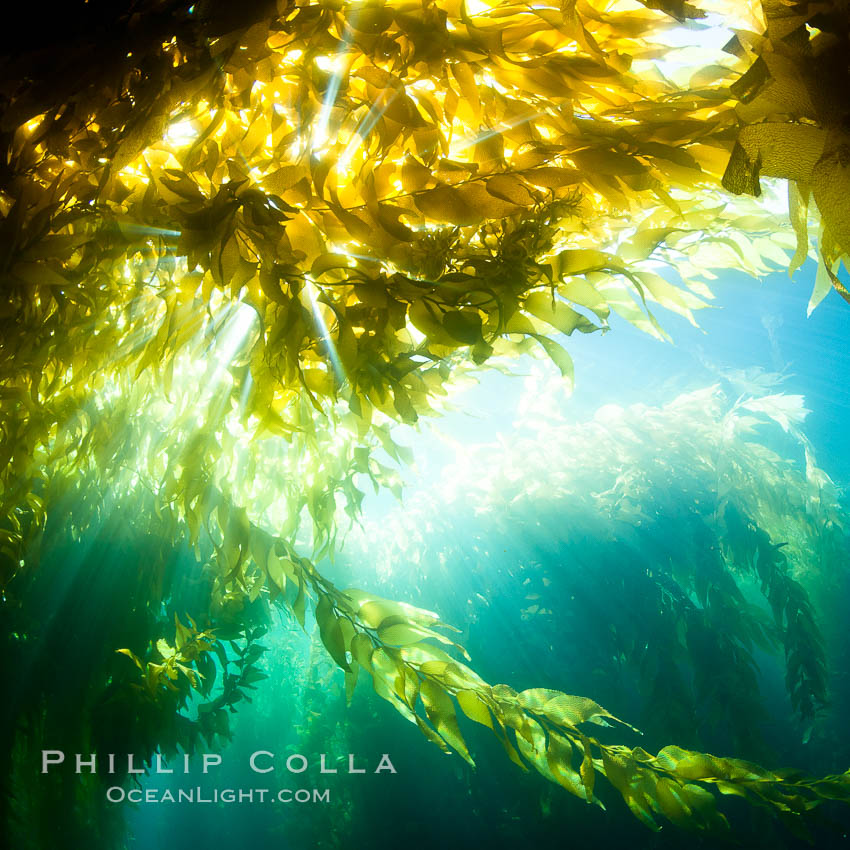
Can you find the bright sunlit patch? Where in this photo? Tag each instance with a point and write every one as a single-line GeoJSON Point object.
{"type": "Point", "coordinates": [182, 132]}
{"type": "Point", "coordinates": [331, 64]}
{"type": "Point", "coordinates": [691, 47]}
{"type": "Point", "coordinates": [239, 322]}
{"type": "Point", "coordinates": [334, 65]}
{"type": "Point", "coordinates": [333, 354]}
{"type": "Point", "coordinates": [774, 196]}
{"type": "Point", "coordinates": [477, 7]}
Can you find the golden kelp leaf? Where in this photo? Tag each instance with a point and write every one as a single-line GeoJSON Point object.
{"type": "Point", "coordinates": [565, 709]}
{"type": "Point", "coordinates": [379, 78]}
{"type": "Point", "coordinates": [414, 175]}
{"type": "Point", "coordinates": [741, 176]}
{"type": "Point", "coordinates": [776, 150]}
{"type": "Point", "coordinates": [707, 75]}
{"type": "Point", "coordinates": [55, 246]}
{"type": "Point", "coordinates": [331, 632]}
{"type": "Point", "coordinates": [631, 781]}
{"type": "Point", "coordinates": [440, 710]}
{"type": "Point", "coordinates": [373, 609]}
{"type": "Point", "coordinates": [463, 325]}
{"type": "Point", "coordinates": [798, 212]}
{"type": "Point", "coordinates": [361, 650]}
{"type": "Point", "coordinates": [703, 807]}
{"type": "Point", "coordinates": [672, 297]}
{"type": "Point", "coordinates": [785, 150]}
{"type": "Point", "coordinates": [446, 204]}
{"type": "Point", "coordinates": [474, 707]}
{"type": "Point", "coordinates": [367, 18]}
{"type": "Point", "coordinates": [533, 747]}
{"type": "Point", "coordinates": [400, 634]}
{"type": "Point", "coordinates": [131, 656]}
{"type": "Point", "coordinates": [329, 262]}
{"type": "Point", "coordinates": [351, 683]}
{"type": "Point", "coordinates": [586, 770]}
{"type": "Point", "coordinates": [431, 735]}
{"type": "Point", "coordinates": [559, 755]}
{"type": "Point", "coordinates": [693, 765]}
{"type": "Point", "coordinates": [559, 356]}
{"type": "Point", "coordinates": [385, 665]}
{"type": "Point", "coordinates": [422, 317]}
{"type": "Point", "coordinates": [830, 181]}
{"type": "Point", "coordinates": [465, 77]}
{"type": "Point", "coordinates": [644, 242]}
{"type": "Point", "coordinates": [509, 187]}
{"type": "Point", "coordinates": [553, 311]}
{"type": "Point", "coordinates": [275, 570]}
{"type": "Point", "coordinates": [182, 634]}
{"type": "Point", "coordinates": [434, 668]}
{"type": "Point", "coordinates": [601, 161]}
{"type": "Point", "coordinates": [486, 204]}
{"type": "Point", "coordinates": [299, 606]}
{"type": "Point", "coordinates": [383, 682]}
{"type": "Point", "coordinates": [582, 261]}
{"type": "Point", "coordinates": [284, 178]}
{"type": "Point", "coordinates": [672, 800]}
{"type": "Point", "coordinates": [520, 324]}
{"type": "Point", "coordinates": [550, 177]}
{"type": "Point", "coordinates": [580, 292]}
{"type": "Point", "coordinates": [678, 9]}
{"type": "Point", "coordinates": [181, 184]}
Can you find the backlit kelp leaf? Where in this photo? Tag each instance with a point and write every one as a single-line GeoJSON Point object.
{"type": "Point", "coordinates": [509, 187]}
{"type": "Point", "coordinates": [299, 605]}
{"type": "Point", "coordinates": [559, 356]}
{"type": "Point", "coordinates": [399, 634]}
{"type": "Point", "coordinates": [586, 769]}
{"type": "Point", "coordinates": [447, 204]}
{"type": "Point", "coordinates": [632, 782]}
{"type": "Point", "coordinates": [463, 325]}
{"type": "Point", "coordinates": [673, 801]}
{"type": "Point", "coordinates": [564, 709]}
{"type": "Point", "coordinates": [414, 175]}
{"type": "Point", "coordinates": [373, 610]}
{"type": "Point", "coordinates": [783, 150]}
{"type": "Point", "coordinates": [474, 707]}
{"type": "Point", "coordinates": [559, 756]}
{"type": "Point", "coordinates": [361, 650]}
{"type": "Point", "coordinates": [441, 713]}
{"type": "Point", "coordinates": [331, 632]}
{"type": "Point", "coordinates": [556, 313]}
{"type": "Point", "coordinates": [276, 570]}
{"type": "Point", "coordinates": [829, 180]}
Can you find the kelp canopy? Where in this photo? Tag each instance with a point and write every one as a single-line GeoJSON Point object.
{"type": "Point", "coordinates": [241, 241]}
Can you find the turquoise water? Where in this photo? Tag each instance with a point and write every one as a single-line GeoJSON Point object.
{"type": "Point", "coordinates": [572, 571]}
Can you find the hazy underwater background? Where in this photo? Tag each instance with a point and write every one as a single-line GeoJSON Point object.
{"type": "Point", "coordinates": [576, 542]}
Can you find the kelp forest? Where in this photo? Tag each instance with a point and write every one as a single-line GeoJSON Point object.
{"type": "Point", "coordinates": [255, 256]}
